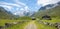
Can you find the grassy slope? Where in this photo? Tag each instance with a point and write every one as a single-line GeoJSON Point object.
{"type": "Point", "coordinates": [5, 14]}
{"type": "Point", "coordinates": [55, 15]}
{"type": "Point", "coordinates": [54, 12]}
{"type": "Point", "coordinates": [7, 17]}
{"type": "Point", "coordinates": [24, 18]}
{"type": "Point", "coordinates": [42, 26]}
{"type": "Point", "coordinates": [18, 26]}
{"type": "Point", "coordinates": [2, 21]}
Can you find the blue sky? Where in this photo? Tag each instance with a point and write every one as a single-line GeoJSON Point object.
{"type": "Point", "coordinates": [21, 6]}
{"type": "Point", "coordinates": [30, 3]}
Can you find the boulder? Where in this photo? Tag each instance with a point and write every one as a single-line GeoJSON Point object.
{"type": "Point", "coordinates": [1, 27]}
{"type": "Point", "coordinates": [46, 23]}
{"type": "Point", "coordinates": [46, 17]}
{"type": "Point", "coordinates": [57, 25]}
{"type": "Point", "coordinates": [7, 24]}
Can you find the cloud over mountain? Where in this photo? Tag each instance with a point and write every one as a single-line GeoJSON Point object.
{"type": "Point", "coordinates": [17, 8]}
{"type": "Point", "coordinates": [46, 2]}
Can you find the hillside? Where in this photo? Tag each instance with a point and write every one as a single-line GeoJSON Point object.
{"type": "Point", "coordinates": [5, 14]}
{"type": "Point", "coordinates": [54, 12]}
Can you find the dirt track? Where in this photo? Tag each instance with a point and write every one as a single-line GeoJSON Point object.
{"type": "Point", "coordinates": [31, 25]}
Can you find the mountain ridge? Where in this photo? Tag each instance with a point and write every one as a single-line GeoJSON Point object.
{"type": "Point", "coordinates": [53, 12]}
{"type": "Point", "coordinates": [5, 14]}
{"type": "Point", "coordinates": [49, 6]}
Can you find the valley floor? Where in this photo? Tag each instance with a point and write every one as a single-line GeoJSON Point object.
{"type": "Point", "coordinates": [29, 24]}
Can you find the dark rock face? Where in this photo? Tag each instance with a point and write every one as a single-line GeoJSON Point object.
{"type": "Point", "coordinates": [49, 5]}
{"type": "Point", "coordinates": [58, 3]}
{"type": "Point", "coordinates": [46, 17]}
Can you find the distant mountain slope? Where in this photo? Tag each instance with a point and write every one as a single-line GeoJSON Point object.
{"type": "Point", "coordinates": [49, 6]}
{"type": "Point", "coordinates": [53, 12]}
{"type": "Point", "coordinates": [58, 3]}
{"type": "Point", "coordinates": [46, 7]}
{"type": "Point", "coordinates": [5, 14]}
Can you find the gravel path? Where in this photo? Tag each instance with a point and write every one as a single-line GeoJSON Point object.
{"type": "Point", "coordinates": [31, 25]}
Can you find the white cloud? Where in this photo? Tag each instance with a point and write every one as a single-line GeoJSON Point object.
{"type": "Point", "coordinates": [19, 6]}
{"type": "Point", "coordinates": [6, 7]}
{"type": "Point", "coordinates": [23, 9]}
{"type": "Point", "coordinates": [19, 13]}
{"type": "Point", "coordinates": [20, 3]}
{"type": "Point", "coordinates": [9, 4]}
{"type": "Point", "coordinates": [26, 9]}
{"type": "Point", "coordinates": [46, 2]}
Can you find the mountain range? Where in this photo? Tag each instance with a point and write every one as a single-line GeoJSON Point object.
{"type": "Point", "coordinates": [53, 11]}
{"type": "Point", "coordinates": [30, 13]}
{"type": "Point", "coordinates": [49, 6]}
{"type": "Point", "coordinates": [6, 14]}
